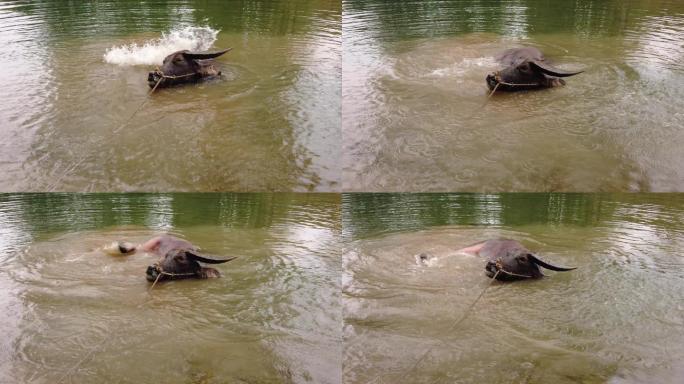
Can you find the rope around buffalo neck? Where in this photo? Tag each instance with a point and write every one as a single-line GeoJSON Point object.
{"type": "Point", "coordinates": [517, 85]}
{"type": "Point", "coordinates": [450, 330]}
{"type": "Point", "coordinates": [497, 77]}
{"type": "Point", "coordinates": [163, 76]}
{"type": "Point", "coordinates": [500, 268]}
{"type": "Point", "coordinates": [161, 272]}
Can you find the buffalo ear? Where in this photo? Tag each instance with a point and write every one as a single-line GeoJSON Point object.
{"type": "Point", "coordinates": [192, 256]}
{"type": "Point", "coordinates": [204, 56]}
{"type": "Point", "coordinates": [540, 263]}
{"type": "Point", "coordinates": [551, 70]}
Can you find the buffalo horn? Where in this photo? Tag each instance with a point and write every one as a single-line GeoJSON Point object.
{"type": "Point", "coordinates": [204, 56]}
{"type": "Point", "coordinates": [208, 261]}
{"type": "Point", "coordinates": [535, 260]}
{"type": "Point", "coordinates": [550, 70]}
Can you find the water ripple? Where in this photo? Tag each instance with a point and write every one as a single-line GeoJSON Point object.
{"type": "Point", "coordinates": [417, 117]}
{"type": "Point", "coordinates": [598, 317]}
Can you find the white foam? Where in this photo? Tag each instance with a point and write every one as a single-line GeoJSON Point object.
{"type": "Point", "coordinates": [154, 51]}
{"type": "Point", "coordinates": [462, 67]}
{"type": "Point", "coordinates": [424, 259]}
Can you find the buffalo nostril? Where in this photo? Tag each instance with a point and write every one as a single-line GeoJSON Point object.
{"type": "Point", "coordinates": [491, 81]}
{"type": "Point", "coordinates": [151, 273]}
{"type": "Point", "coordinates": [490, 269]}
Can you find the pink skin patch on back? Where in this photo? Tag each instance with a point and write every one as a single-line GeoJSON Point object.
{"type": "Point", "coordinates": [473, 249]}
{"type": "Point", "coordinates": [151, 245]}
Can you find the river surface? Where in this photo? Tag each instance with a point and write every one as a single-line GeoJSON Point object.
{"type": "Point", "coordinates": [416, 115]}
{"type": "Point", "coordinates": [74, 74]}
{"type": "Point", "coordinates": [71, 313]}
{"type": "Point", "coordinates": [616, 319]}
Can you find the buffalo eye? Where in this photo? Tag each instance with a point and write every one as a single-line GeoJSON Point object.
{"type": "Point", "coordinates": [522, 259]}
{"type": "Point", "coordinates": [524, 67]}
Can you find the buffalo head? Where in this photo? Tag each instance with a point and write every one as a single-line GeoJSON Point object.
{"type": "Point", "coordinates": [183, 67]}
{"type": "Point", "coordinates": [526, 68]}
{"type": "Point", "coordinates": [183, 264]}
{"type": "Point", "coordinates": [509, 260]}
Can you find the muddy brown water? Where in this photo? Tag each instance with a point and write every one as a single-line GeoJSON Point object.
{"type": "Point", "coordinates": [71, 313]}
{"type": "Point", "coordinates": [616, 319]}
{"type": "Point", "coordinates": [270, 123]}
{"type": "Point", "coordinates": [417, 119]}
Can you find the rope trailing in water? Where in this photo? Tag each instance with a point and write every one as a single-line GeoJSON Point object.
{"type": "Point", "coordinates": [498, 83]}
{"type": "Point", "coordinates": [72, 166]}
{"type": "Point", "coordinates": [481, 106]}
{"type": "Point", "coordinates": [491, 93]}
{"type": "Point", "coordinates": [90, 353]}
{"type": "Point", "coordinates": [83, 360]}
{"type": "Point", "coordinates": [98, 346]}
{"type": "Point", "coordinates": [141, 105]}
{"type": "Point", "coordinates": [450, 330]}
{"type": "Point", "coordinates": [159, 275]}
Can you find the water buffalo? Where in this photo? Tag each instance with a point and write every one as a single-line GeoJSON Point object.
{"type": "Point", "coordinates": [509, 260]}
{"type": "Point", "coordinates": [179, 259]}
{"type": "Point", "coordinates": [526, 68]}
{"type": "Point", "coordinates": [158, 245]}
{"type": "Point", "coordinates": [184, 67]}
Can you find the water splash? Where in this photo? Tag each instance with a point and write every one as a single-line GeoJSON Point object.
{"type": "Point", "coordinates": [152, 52]}
{"type": "Point", "coordinates": [464, 66]}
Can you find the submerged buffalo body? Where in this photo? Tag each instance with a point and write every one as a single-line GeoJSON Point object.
{"type": "Point", "coordinates": [509, 260]}
{"type": "Point", "coordinates": [526, 68]}
{"type": "Point", "coordinates": [184, 67]}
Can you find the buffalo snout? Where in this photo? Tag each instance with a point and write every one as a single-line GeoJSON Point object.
{"type": "Point", "coordinates": [151, 274]}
